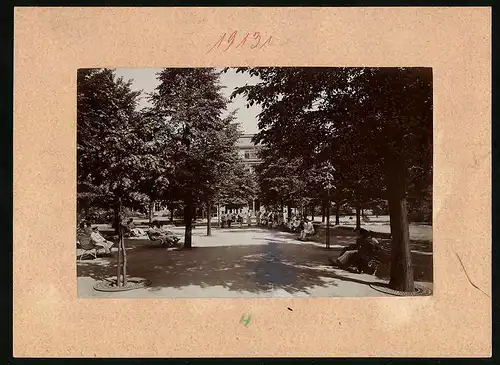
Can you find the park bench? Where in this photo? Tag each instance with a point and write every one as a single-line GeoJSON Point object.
{"type": "Point", "coordinates": [87, 246]}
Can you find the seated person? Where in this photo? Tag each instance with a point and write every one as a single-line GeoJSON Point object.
{"type": "Point", "coordinates": [307, 230]}
{"type": "Point", "coordinates": [85, 229]}
{"type": "Point", "coordinates": [81, 228]}
{"type": "Point", "coordinates": [97, 239]}
{"type": "Point", "coordinates": [281, 219]}
{"type": "Point", "coordinates": [133, 230]}
{"type": "Point", "coordinates": [156, 233]}
{"type": "Point", "coordinates": [126, 227]}
{"type": "Point", "coordinates": [296, 224]}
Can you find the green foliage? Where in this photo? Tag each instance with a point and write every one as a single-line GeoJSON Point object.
{"type": "Point", "coordinates": [106, 142]}
{"type": "Point", "coordinates": [359, 120]}
{"type": "Point", "coordinates": [190, 105]}
{"type": "Point", "coordinates": [373, 125]}
{"type": "Point", "coordinates": [238, 185]}
{"type": "Point", "coordinates": [183, 149]}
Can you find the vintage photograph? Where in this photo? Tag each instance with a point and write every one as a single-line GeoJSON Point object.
{"type": "Point", "coordinates": [272, 182]}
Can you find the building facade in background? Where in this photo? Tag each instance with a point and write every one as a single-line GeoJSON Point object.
{"type": "Point", "coordinates": [248, 150]}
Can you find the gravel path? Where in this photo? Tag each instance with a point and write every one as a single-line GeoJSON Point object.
{"type": "Point", "coordinates": [248, 262]}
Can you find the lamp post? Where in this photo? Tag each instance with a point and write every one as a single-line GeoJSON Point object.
{"type": "Point", "coordinates": [328, 218]}
{"type": "Point", "coordinates": [329, 186]}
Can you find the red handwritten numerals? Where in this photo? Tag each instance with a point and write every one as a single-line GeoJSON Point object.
{"type": "Point", "coordinates": [253, 40]}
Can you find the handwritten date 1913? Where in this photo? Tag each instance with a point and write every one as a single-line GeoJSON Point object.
{"type": "Point", "coordinates": [254, 40]}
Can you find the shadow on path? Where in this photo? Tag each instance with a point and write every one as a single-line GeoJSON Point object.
{"type": "Point", "coordinates": [252, 268]}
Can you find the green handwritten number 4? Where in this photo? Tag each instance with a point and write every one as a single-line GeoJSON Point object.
{"type": "Point", "coordinates": [245, 320]}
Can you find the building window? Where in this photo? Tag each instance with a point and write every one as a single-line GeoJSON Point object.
{"type": "Point", "coordinates": [247, 155]}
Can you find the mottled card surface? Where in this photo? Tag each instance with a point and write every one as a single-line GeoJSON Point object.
{"type": "Point", "coordinates": [259, 281]}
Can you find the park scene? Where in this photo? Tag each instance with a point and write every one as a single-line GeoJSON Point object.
{"type": "Point", "coordinates": [269, 182]}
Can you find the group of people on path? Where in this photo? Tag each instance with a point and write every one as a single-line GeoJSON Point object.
{"type": "Point", "coordinates": [226, 219]}
{"type": "Point", "coordinates": [270, 219]}
{"type": "Point", "coordinates": [293, 223]}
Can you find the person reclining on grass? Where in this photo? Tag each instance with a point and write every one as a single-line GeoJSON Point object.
{"type": "Point", "coordinates": [156, 233]}
{"type": "Point", "coordinates": [97, 239]}
{"type": "Point", "coordinates": [358, 255]}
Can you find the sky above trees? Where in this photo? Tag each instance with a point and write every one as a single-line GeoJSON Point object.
{"type": "Point", "coordinates": [145, 79]}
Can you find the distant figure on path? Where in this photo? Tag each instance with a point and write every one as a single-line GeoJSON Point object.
{"type": "Point", "coordinates": [257, 218]}
{"type": "Point", "coordinates": [263, 219]}
{"type": "Point", "coordinates": [275, 220]}
{"type": "Point", "coordinates": [249, 218]}
{"type": "Point", "coordinates": [240, 219]}
{"type": "Point", "coordinates": [222, 220]}
{"type": "Point", "coordinates": [281, 218]}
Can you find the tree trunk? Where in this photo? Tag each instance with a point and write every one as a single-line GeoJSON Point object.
{"type": "Point", "coordinates": [337, 213]}
{"type": "Point", "coordinates": [312, 212]}
{"type": "Point", "coordinates": [124, 253]}
{"type": "Point", "coordinates": [151, 206]}
{"type": "Point", "coordinates": [218, 215]}
{"type": "Point", "coordinates": [401, 265]}
{"type": "Point", "coordinates": [323, 212]}
{"type": "Point", "coordinates": [188, 221]}
{"type": "Point", "coordinates": [358, 217]}
{"type": "Point", "coordinates": [289, 211]}
{"type": "Point", "coordinates": [117, 217]}
{"type": "Point", "coordinates": [328, 225]}
{"type": "Point", "coordinates": [209, 218]}
{"type": "Point", "coordinates": [122, 244]}
{"type": "Point", "coordinates": [120, 237]}
{"type": "Point", "coordinates": [172, 215]}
